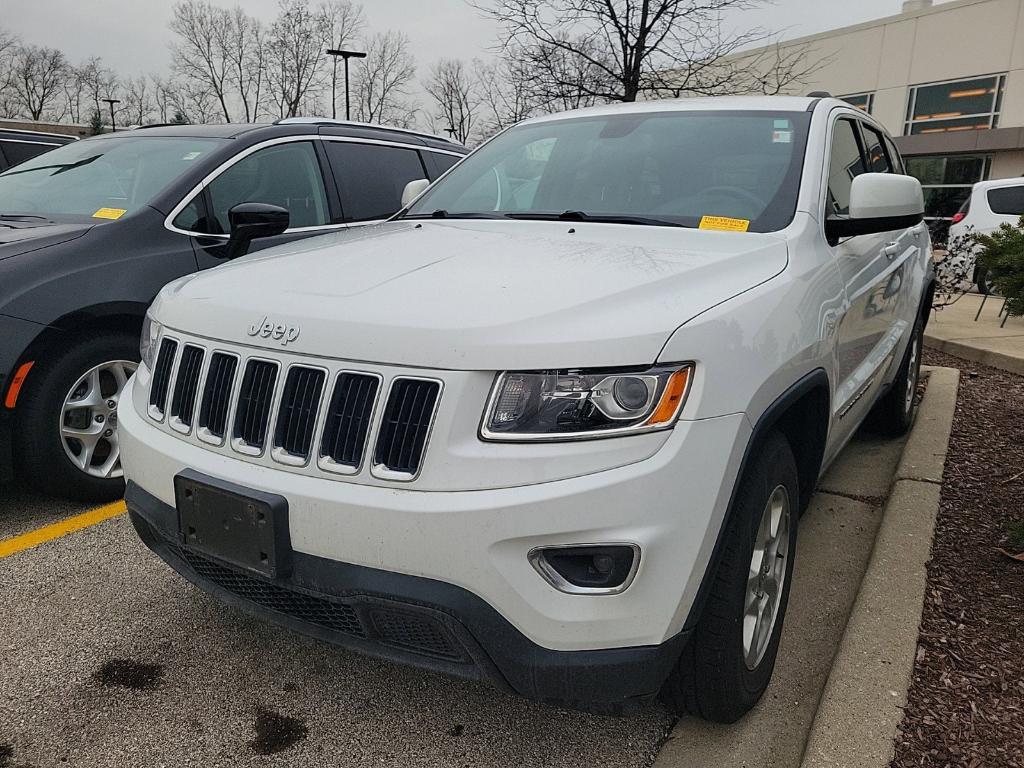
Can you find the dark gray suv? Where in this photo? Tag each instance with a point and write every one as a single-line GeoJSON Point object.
{"type": "Point", "coordinates": [91, 231]}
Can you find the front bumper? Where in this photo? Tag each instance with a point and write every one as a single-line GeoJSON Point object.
{"type": "Point", "coordinates": [412, 620]}
{"type": "Point", "coordinates": [15, 337]}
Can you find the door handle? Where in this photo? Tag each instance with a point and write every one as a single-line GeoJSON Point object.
{"type": "Point", "coordinates": [892, 250]}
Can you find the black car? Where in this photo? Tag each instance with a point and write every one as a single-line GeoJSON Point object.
{"type": "Point", "coordinates": [17, 146]}
{"type": "Point", "coordinates": [90, 233]}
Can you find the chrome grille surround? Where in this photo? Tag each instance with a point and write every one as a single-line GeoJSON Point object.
{"type": "Point", "coordinates": [317, 460]}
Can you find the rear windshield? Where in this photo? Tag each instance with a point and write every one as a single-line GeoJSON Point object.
{"type": "Point", "coordinates": [108, 177]}
{"type": "Point", "coordinates": [1008, 201]}
{"type": "Point", "coordinates": [672, 168]}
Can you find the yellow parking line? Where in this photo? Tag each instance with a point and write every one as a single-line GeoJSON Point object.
{"type": "Point", "coordinates": [62, 528]}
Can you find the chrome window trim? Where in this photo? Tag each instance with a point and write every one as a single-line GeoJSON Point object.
{"type": "Point", "coordinates": [210, 177]}
{"type": "Point", "coordinates": [556, 580]}
{"type": "Point", "coordinates": [379, 470]}
{"type": "Point", "coordinates": [326, 463]}
{"type": "Point", "coordinates": [5, 140]}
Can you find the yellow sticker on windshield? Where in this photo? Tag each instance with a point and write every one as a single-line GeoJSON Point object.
{"type": "Point", "coordinates": [109, 213]}
{"type": "Point", "coordinates": [724, 224]}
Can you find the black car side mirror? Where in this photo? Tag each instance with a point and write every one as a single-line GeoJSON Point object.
{"type": "Point", "coordinates": [251, 221]}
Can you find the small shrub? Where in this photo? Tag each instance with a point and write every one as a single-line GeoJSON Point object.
{"type": "Point", "coordinates": [1001, 253]}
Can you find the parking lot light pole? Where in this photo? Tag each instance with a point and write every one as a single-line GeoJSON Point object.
{"type": "Point", "coordinates": [346, 55]}
{"type": "Point", "coordinates": [112, 102]}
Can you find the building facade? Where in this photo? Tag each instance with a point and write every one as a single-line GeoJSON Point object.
{"type": "Point", "coordinates": [946, 79]}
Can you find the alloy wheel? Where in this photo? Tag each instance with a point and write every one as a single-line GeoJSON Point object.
{"type": "Point", "coordinates": [766, 577]}
{"type": "Point", "coordinates": [88, 419]}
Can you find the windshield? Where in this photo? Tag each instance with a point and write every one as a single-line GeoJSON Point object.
{"type": "Point", "coordinates": [668, 168]}
{"type": "Point", "coordinates": [106, 177]}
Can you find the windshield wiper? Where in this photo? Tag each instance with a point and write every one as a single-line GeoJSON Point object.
{"type": "Point", "coordinates": [441, 213]}
{"type": "Point", "coordinates": [610, 218]}
{"type": "Point", "coordinates": [60, 167]}
{"type": "Point", "coordinates": [19, 216]}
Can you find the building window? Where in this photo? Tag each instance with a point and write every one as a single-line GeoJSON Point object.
{"type": "Point", "coordinates": [946, 181]}
{"type": "Point", "coordinates": [865, 101]}
{"type": "Point", "coordinates": [962, 105]}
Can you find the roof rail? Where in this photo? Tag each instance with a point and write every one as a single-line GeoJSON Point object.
{"type": "Point", "coordinates": [357, 124]}
{"type": "Point", "coordinates": [819, 95]}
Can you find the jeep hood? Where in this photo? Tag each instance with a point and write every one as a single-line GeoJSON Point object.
{"type": "Point", "coordinates": [476, 294]}
{"type": "Point", "coordinates": [22, 234]}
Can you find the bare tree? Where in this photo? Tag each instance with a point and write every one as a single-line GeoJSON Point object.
{"type": "Point", "coordinates": [241, 38]}
{"type": "Point", "coordinates": [95, 83]}
{"type": "Point", "coordinates": [8, 46]}
{"type": "Point", "coordinates": [342, 23]}
{"type": "Point", "coordinates": [383, 79]}
{"type": "Point", "coordinates": [137, 101]}
{"type": "Point", "coordinates": [294, 56]}
{"type": "Point", "coordinates": [456, 101]}
{"type": "Point", "coordinates": [39, 75]}
{"type": "Point", "coordinates": [627, 48]}
{"type": "Point", "coordinates": [505, 93]}
{"type": "Point", "coordinates": [196, 102]}
{"type": "Point", "coordinates": [164, 97]}
{"type": "Point", "coordinates": [199, 53]}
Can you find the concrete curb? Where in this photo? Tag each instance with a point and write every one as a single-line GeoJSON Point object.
{"type": "Point", "coordinates": [976, 354]}
{"type": "Point", "coordinates": [861, 707]}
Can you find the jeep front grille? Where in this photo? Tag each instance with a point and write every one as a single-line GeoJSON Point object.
{"type": "Point", "coordinates": [349, 416]}
{"type": "Point", "coordinates": [255, 399]}
{"type": "Point", "coordinates": [316, 418]}
{"type": "Point", "coordinates": [296, 419]}
{"type": "Point", "coordinates": [186, 385]}
{"type": "Point", "coordinates": [162, 377]}
{"type": "Point", "coordinates": [407, 419]}
{"type": "Point", "coordinates": [220, 380]}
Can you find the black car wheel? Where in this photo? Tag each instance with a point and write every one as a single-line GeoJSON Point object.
{"type": "Point", "coordinates": [65, 435]}
{"type": "Point", "coordinates": [727, 664]}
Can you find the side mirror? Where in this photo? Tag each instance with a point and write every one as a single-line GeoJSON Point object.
{"type": "Point", "coordinates": [251, 221]}
{"type": "Point", "coordinates": [879, 202]}
{"type": "Point", "coordinates": [413, 190]}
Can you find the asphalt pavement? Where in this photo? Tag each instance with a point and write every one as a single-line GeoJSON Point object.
{"type": "Point", "coordinates": [111, 659]}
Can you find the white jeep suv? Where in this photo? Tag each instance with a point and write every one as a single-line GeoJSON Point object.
{"type": "Point", "coordinates": [554, 424]}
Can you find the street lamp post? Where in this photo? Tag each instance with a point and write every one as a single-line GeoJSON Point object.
{"type": "Point", "coordinates": [112, 102]}
{"type": "Point", "coordinates": [346, 55]}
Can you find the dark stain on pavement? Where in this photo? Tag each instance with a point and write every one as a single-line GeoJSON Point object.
{"type": "Point", "coordinates": [6, 753]}
{"type": "Point", "coordinates": [275, 732]}
{"type": "Point", "coordinates": [125, 673]}
{"type": "Point", "coordinates": [457, 730]}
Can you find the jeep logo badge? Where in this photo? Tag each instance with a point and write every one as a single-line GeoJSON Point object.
{"type": "Point", "coordinates": [268, 329]}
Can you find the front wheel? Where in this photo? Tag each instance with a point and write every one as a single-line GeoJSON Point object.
{"type": "Point", "coordinates": [727, 664]}
{"type": "Point", "coordinates": [65, 436]}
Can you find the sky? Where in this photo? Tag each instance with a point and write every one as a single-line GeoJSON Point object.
{"type": "Point", "coordinates": [132, 35]}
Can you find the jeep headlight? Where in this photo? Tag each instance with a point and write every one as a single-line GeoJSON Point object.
{"type": "Point", "coordinates": [584, 404]}
{"type": "Point", "coordinates": [148, 341]}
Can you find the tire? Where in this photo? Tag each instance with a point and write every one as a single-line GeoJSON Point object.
{"type": "Point", "coordinates": [42, 448]}
{"type": "Point", "coordinates": [893, 414]}
{"type": "Point", "coordinates": [981, 280]}
{"type": "Point", "coordinates": [722, 674]}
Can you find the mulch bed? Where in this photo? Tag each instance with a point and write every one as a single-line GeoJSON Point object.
{"type": "Point", "coordinates": [966, 702]}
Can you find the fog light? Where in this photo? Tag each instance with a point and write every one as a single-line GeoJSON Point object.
{"type": "Point", "coordinates": [598, 569]}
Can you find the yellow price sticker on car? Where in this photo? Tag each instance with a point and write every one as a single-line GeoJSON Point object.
{"type": "Point", "coordinates": [109, 213]}
{"type": "Point", "coordinates": [724, 224]}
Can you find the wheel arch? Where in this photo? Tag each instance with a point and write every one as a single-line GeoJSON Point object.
{"type": "Point", "coordinates": [120, 316]}
{"type": "Point", "coordinates": [801, 413]}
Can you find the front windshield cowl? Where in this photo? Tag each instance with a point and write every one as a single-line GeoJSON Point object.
{"type": "Point", "coordinates": [679, 167]}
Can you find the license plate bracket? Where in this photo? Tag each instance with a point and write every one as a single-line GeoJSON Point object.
{"type": "Point", "coordinates": [237, 525]}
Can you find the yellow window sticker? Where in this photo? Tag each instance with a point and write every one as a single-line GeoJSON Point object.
{"type": "Point", "coordinates": [109, 213]}
{"type": "Point", "coordinates": [724, 223]}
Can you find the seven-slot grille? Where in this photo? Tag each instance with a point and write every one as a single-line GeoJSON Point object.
{"type": "Point", "coordinates": [285, 405]}
{"type": "Point", "coordinates": [255, 398]}
{"type": "Point", "coordinates": [296, 418]}
{"type": "Point", "coordinates": [162, 377]}
{"type": "Point", "coordinates": [186, 385]}
{"type": "Point", "coordinates": [407, 419]}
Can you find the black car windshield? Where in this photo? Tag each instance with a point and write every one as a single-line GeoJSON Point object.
{"type": "Point", "coordinates": [104, 177]}
{"type": "Point", "coordinates": [715, 169]}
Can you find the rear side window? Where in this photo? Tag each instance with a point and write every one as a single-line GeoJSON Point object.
{"type": "Point", "coordinates": [20, 151]}
{"type": "Point", "coordinates": [441, 162]}
{"type": "Point", "coordinates": [845, 164]}
{"type": "Point", "coordinates": [372, 177]}
{"type": "Point", "coordinates": [875, 150]}
{"type": "Point", "coordinates": [1008, 201]}
{"type": "Point", "coordinates": [894, 156]}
